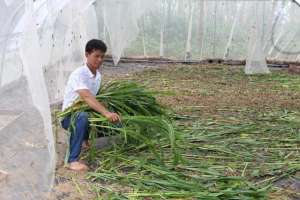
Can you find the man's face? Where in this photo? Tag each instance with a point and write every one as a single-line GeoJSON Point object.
{"type": "Point", "coordinates": [95, 59]}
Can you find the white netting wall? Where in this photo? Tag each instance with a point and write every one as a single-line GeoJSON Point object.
{"type": "Point", "coordinates": [42, 41]}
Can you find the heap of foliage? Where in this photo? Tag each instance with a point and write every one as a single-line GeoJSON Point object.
{"type": "Point", "coordinates": [145, 123]}
{"type": "Point", "coordinates": [155, 161]}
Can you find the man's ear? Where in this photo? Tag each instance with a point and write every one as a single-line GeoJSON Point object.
{"type": "Point", "coordinates": [86, 54]}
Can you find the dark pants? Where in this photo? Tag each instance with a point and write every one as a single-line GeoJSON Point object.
{"type": "Point", "coordinates": [79, 133]}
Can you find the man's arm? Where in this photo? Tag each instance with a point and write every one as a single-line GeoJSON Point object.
{"type": "Point", "coordinates": [97, 106]}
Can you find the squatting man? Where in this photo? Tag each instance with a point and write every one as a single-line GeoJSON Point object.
{"type": "Point", "coordinates": [84, 83]}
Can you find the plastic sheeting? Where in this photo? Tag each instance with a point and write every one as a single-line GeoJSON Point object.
{"type": "Point", "coordinates": [178, 29]}
{"type": "Point", "coordinates": [25, 154]}
{"type": "Point", "coordinates": [256, 59]}
{"type": "Point", "coordinates": [63, 37]}
{"type": "Point", "coordinates": [121, 18]}
{"type": "Point", "coordinates": [42, 41]}
{"type": "Point", "coordinates": [217, 29]}
{"type": "Point", "coordinates": [28, 41]}
{"type": "Point", "coordinates": [27, 146]}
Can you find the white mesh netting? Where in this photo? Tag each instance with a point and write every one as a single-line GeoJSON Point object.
{"type": "Point", "coordinates": [42, 41]}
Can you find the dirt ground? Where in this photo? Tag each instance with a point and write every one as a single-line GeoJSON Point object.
{"type": "Point", "coordinates": [194, 90]}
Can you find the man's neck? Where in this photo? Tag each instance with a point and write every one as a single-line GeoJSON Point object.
{"type": "Point", "coordinates": [94, 72]}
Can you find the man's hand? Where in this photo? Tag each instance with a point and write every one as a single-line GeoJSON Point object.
{"type": "Point", "coordinates": [97, 106]}
{"type": "Point", "coordinates": [112, 117]}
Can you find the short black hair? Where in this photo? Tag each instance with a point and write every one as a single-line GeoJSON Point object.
{"type": "Point", "coordinates": [95, 44]}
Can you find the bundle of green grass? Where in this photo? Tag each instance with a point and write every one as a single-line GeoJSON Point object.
{"type": "Point", "coordinates": [145, 123]}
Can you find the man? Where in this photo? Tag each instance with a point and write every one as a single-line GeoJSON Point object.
{"type": "Point", "coordinates": [84, 83]}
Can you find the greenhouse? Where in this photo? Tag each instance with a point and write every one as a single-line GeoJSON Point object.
{"type": "Point", "coordinates": [202, 99]}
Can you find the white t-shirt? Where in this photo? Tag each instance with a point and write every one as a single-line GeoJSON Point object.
{"type": "Point", "coordinates": [81, 78]}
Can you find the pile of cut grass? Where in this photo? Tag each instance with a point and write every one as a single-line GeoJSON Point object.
{"type": "Point", "coordinates": [220, 160]}
{"type": "Point", "coordinates": [145, 123]}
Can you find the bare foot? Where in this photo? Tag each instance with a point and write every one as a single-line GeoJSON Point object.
{"type": "Point", "coordinates": [85, 145]}
{"type": "Point", "coordinates": [77, 166]}
{"type": "Point", "coordinates": [82, 161]}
